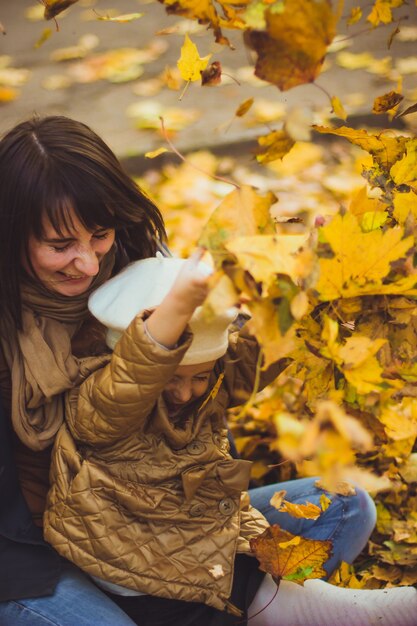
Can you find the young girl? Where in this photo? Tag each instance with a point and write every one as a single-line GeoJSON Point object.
{"type": "Point", "coordinates": [146, 497]}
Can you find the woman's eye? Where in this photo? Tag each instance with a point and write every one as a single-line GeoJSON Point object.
{"type": "Point", "coordinates": [61, 248]}
{"type": "Point", "coordinates": [101, 235]}
{"type": "Point", "coordinates": [201, 379]}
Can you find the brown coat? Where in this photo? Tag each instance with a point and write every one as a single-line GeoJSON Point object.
{"type": "Point", "coordinates": [144, 502]}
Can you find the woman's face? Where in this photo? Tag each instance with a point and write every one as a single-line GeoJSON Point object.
{"type": "Point", "coordinates": [67, 263]}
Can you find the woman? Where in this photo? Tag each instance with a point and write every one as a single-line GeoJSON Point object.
{"type": "Point", "coordinates": [69, 219]}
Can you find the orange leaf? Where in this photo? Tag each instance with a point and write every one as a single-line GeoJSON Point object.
{"type": "Point", "coordinates": [286, 556]}
{"type": "Point", "coordinates": [303, 511]}
{"type": "Point", "coordinates": [244, 107]}
{"type": "Point", "coordinates": [212, 75]}
{"type": "Point", "coordinates": [54, 7]}
{"type": "Point", "coordinates": [388, 101]}
{"type": "Point", "coordinates": [292, 48]}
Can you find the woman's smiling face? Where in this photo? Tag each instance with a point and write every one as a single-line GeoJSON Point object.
{"type": "Point", "coordinates": [67, 262]}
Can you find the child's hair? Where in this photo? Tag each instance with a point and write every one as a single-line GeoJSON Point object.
{"type": "Point", "coordinates": [51, 166]}
{"type": "Point", "coordinates": [143, 285]}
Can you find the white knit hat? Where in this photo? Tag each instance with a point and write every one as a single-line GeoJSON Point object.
{"type": "Point", "coordinates": [143, 285]}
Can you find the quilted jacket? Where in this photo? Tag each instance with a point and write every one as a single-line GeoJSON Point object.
{"type": "Point", "coordinates": [144, 501]}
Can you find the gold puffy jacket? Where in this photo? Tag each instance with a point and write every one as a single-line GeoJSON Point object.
{"type": "Point", "coordinates": [144, 502]}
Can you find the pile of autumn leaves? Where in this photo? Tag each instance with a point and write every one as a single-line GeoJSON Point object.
{"type": "Point", "coordinates": [339, 304]}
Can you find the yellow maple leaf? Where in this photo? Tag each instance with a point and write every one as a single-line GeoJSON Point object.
{"type": "Point", "coordinates": [385, 149]}
{"type": "Point", "coordinates": [361, 259]}
{"type": "Point", "coordinates": [359, 363]}
{"type": "Point", "coordinates": [265, 324]}
{"type": "Point", "coordinates": [292, 48]}
{"type": "Point", "coordinates": [283, 557]}
{"type": "Point", "coordinates": [404, 204]}
{"type": "Point", "coordinates": [274, 146]}
{"type": "Point", "coordinates": [190, 64]}
{"type": "Point", "coordinates": [265, 256]}
{"type": "Point", "coordinates": [404, 171]}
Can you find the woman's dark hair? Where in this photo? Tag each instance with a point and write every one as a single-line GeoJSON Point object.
{"type": "Point", "coordinates": [53, 164]}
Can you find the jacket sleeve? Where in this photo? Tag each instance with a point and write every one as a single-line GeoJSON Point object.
{"type": "Point", "coordinates": [240, 365]}
{"type": "Point", "coordinates": [117, 399]}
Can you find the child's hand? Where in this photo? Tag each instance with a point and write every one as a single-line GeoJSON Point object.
{"type": "Point", "coordinates": [190, 288]}
{"type": "Point", "coordinates": [168, 321]}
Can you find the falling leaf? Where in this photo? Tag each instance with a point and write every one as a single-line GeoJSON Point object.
{"type": "Point", "coordinates": [408, 110]}
{"type": "Point", "coordinates": [2, 29]}
{"type": "Point", "coordinates": [296, 562]}
{"type": "Point", "coordinates": [121, 19]}
{"type": "Point", "coordinates": [46, 33]}
{"type": "Point", "coordinates": [8, 94]}
{"type": "Point", "coordinates": [292, 48]}
{"type": "Point", "coordinates": [190, 64]}
{"type": "Point", "coordinates": [355, 16]}
{"type": "Point", "coordinates": [274, 146]}
{"type": "Point", "coordinates": [244, 107]}
{"type": "Point", "coordinates": [388, 101]}
{"type": "Point", "coordinates": [382, 11]}
{"type": "Point", "coordinates": [212, 75]}
{"type": "Point", "coordinates": [155, 153]}
{"type": "Point", "coordinates": [338, 109]}
{"type": "Point", "coordinates": [54, 7]}
{"type": "Point", "coordinates": [205, 12]}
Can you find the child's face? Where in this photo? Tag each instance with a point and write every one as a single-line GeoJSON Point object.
{"type": "Point", "coordinates": [188, 383]}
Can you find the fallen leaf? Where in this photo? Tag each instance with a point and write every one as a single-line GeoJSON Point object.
{"type": "Point", "coordinates": [277, 499]}
{"type": "Point", "coordinates": [325, 502]}
{"type": "Point", "coordinates": [342, 488]}
{"type": "Point", "coordinates": [302, 511]}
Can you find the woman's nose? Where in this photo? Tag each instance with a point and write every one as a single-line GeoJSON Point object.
{"type": "Point", "coordinates": [87, 262]}
{"type": "Point", "coordinates": [184, 392]}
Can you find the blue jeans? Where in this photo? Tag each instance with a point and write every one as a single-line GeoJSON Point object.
{"type": "Point", "coordinates": [76, 601]}
{"type": "Point", "coordinates": [348, 522]}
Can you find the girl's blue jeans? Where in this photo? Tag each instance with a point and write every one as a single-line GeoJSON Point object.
{"type": "Point", "coordinates": [348, 522]}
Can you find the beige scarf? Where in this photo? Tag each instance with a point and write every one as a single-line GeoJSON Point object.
{"type": "Point", "coordinates": [40, 359]}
